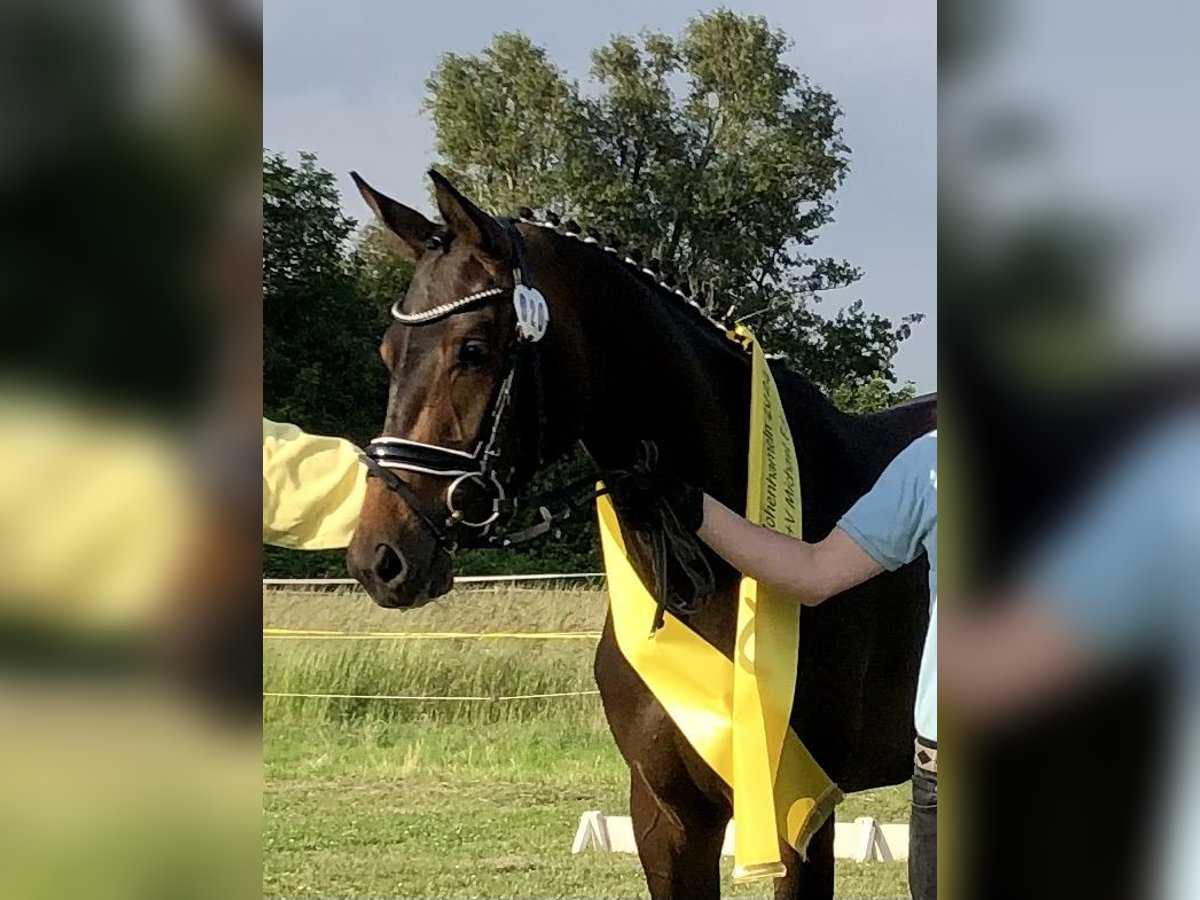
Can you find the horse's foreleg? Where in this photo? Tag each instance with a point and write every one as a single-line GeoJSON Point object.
{"type": "Point", "coordinates": [811, 879]}
{"type": "Point", "coordinates": [681, 861]}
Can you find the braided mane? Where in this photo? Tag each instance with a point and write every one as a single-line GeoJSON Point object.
{"type": "Point", "coordinates": [649, 271]}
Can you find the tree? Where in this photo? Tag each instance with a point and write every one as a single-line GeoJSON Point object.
{"type": "Point", "coordinates": [320, 366]}
{"type": "Point", "coordinates": [707, 150]}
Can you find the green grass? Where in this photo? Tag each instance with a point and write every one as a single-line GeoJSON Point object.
{"type": "Point", "coordinates": [424, 799]}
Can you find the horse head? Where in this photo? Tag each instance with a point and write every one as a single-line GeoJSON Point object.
{"type": "Point", "coordinates": [469, 417]}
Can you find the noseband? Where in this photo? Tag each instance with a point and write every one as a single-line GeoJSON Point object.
{"type": "Point", "coordinates": [385, 455]}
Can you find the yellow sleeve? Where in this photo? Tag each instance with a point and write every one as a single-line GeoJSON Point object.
{"type": "Point", "coordinates": [313, 488]}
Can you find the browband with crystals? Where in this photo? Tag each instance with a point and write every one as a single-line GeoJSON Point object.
{"type": "Point", "coordinates": [445, 310]}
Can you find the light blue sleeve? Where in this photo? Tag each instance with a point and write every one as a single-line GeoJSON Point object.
{"type": "Point", "coordinates": [1119, 570]}
{"type": "Point", "coordinates": [892, 521]}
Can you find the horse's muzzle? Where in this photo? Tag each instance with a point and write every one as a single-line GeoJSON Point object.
{"type": "Point", "coordinates": [385, 571]}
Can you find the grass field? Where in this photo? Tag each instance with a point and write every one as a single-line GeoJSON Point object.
{"type": "Point", "coordinates": [402, 798]}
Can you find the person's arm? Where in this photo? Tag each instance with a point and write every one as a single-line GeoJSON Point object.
{"type": "Point", "coordinates": [882, 531]}
{"type": "Point", "coordinates": [313, 488]}
{"type": "Point", "coordinates": [809, 572]}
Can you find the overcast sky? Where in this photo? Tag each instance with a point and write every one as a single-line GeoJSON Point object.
{"type": "Point", "coordinates": [345, 81]}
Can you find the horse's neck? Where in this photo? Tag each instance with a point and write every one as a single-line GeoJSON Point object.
{"type": "Point", "coordinates": [657, 376]}
{"type": "Point", "coordinates": [653, 371]}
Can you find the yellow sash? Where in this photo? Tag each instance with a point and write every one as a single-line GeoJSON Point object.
{"type": "Point", "coordinates": [735, 713]}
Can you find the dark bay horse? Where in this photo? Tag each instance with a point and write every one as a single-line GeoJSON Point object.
{"type": "Point", "coordinates": [625, 360]}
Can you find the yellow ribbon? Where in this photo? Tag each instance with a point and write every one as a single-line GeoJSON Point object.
{"type": "Point", "coordinates": [735, 712]}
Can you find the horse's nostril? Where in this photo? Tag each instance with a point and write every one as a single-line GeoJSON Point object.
{"type": "Point", "coordinates": [389, 565]}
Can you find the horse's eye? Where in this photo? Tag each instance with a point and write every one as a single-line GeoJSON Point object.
{"type": "Point", "coordinates": [473, 352]}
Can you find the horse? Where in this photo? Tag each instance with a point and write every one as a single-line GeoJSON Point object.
{"type": "Point", "coordinates": [479, 402]}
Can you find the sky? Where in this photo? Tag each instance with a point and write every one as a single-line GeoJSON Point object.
{"type": "Point", "coordinates": [345, 81]}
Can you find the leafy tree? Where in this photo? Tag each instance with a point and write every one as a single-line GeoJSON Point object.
{"type": "Point", "coordinates": [320, 366]}
{"type": "Point", "coordinates": [706, 150]}
{"type": "Point", "coordinates": [870, 396]}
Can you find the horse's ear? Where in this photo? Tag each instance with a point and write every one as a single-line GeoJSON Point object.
{"type": "Point", "coordinates": [410, 226]}
{"type": "Point", "coordinates": [466, 221]}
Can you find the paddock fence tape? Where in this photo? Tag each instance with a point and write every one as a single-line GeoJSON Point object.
{"type": "Point", "coordinates": [275, 634]}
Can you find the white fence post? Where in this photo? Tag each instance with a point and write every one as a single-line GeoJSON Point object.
{"type": "Point", "coordinates": [591, 834]}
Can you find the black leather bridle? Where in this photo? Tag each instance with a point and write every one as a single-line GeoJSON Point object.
{"type": "Point", "coordinates": [475, 470]}
{"type": "Point", "coordinates": [670, 543]}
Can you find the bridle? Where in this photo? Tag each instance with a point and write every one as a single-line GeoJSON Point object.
{"type": "Point", "coordinates": [386, 455]}
{"type": "Point", "coordinates": [670, 544]}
